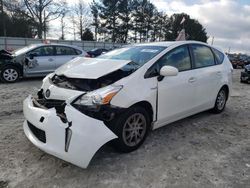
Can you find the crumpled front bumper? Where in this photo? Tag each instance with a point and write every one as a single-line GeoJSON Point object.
{"type": "Point", "coordinates": [86, 136]}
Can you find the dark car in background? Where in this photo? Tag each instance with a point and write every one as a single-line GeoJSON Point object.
{"type": "Point", "coordinates": [237, 63]}
{"type": "Point", "coordinates": [96, 52]}
{"type": "Point", "coordinates": [239, 60]}
{"type": "Point", "coordinates": [245, 75]}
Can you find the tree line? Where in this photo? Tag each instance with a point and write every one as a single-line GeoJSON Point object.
{"type": "Point", "coordinates": [121, 21]}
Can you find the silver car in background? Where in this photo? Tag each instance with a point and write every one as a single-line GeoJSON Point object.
{"type": "Point", "coordinates": [35, 60]}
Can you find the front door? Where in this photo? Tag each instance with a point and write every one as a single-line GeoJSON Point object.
{"type": "Point", "coordinates": [176, 94]}
{"type": "Point", "coordinates": [41, 61]}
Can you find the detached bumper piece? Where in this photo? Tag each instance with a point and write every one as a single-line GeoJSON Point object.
{"type": "Point", "coordinates": [75, 140]}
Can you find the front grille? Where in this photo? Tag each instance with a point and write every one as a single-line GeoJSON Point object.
{"type": "Point", "coordinates": [40, 134]}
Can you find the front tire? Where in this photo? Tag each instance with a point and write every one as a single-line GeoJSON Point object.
{"type": "Point", "coordinates": [131, 128]}
{"type": "Point", "coordinates": [220, 101]}
{"type": "Point", "coordinates": [10, 74]}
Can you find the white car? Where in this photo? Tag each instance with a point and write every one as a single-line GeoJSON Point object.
{"type": "Point", "coordinates": [122, 95]}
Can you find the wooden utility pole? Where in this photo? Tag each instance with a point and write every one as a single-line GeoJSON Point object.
{"type": "Point", "coordinates": [212, 40]}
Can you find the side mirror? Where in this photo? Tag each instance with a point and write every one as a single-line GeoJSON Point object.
{"type": "Point", "coordinates": [168, 71]}
{"type": "Point", "coordinates": [32, 55]}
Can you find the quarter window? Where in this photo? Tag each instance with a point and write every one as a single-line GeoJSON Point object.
{"type": "Point", "coordinates": [219, 56]}
{"type": "Point", "coordinates": [179, 58]}
{"type": "Point", "coordinates": [203, 56]}
{"type": "Point", "coordinates": [63, 50]}
{"type": "Point", "coordinates": [78, 52]}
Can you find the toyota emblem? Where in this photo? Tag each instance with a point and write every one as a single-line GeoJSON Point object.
{"type": "Point", "coordinates": [47, 93]}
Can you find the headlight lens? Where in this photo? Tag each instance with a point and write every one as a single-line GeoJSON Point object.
{"type": "Point", "coordinates": [98, 97]}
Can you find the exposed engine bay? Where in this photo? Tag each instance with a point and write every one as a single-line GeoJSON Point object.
{"type": "Point", "coordinates": [93, 84]}
{"type": "Point", "coordinates": [104, 112]}
{"type": "Point", "coordinates": [5, 55]}
{"type": "Point", "coordinates": [23, 62]}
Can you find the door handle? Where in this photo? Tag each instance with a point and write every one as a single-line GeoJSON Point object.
{"type": "Point", "coordinates": [219, 73]}
{"type": "Point", "coordinates": [51, 59]}
{"type": "Point", "coordinates": [192, 79]}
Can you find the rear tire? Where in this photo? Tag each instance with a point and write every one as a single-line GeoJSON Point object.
{"type": "Point", "coordinates": [131, 128]}
{"type": "Point", "coordinates": [220, 101]}
{"type": "Point", "coordinates": [10, 74]}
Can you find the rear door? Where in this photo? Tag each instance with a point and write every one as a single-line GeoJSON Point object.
{"type": "Point", "coordinates": [176, 94]}
{"type": "Point", "coordinates": [208, 75]}
{"type": "Point", "coordinates": [64, 54]}
{"type": "Point", "coordinates": [41, 61]}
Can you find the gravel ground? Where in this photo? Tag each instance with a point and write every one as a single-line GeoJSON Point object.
{"type": "Point", "coordinates": [204, 150]}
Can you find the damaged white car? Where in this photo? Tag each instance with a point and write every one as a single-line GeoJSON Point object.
{"type": "Point", "coordinates": [122, 95]}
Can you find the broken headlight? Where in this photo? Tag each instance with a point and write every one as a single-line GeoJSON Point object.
{"type": "Point", "coordinates": [98, 97]}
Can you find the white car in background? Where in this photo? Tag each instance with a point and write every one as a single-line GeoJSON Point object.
{"type": "Point", "coordinates": [36, 60]}
{"type": "Point", "coordinates": [122, 95]}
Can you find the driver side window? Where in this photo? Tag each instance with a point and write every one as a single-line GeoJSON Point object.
{"type": "Point", "coordinates": [42, 51]}
{"type": "Point", "coordinates": [178, 58]}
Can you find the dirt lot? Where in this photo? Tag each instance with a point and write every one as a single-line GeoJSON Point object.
{"type": "Point", "coordinates": [205, 150]}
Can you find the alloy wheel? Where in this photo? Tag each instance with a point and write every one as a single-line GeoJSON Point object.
{"type": "Point", "coordinates": [134, 129]}
{"type": "Point", "coordinates": [10, 75]}
{"type": "Point", "coordinates": [221, 100]}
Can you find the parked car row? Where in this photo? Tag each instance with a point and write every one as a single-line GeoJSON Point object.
{"type": "Point", "coordinates": [39, 60]}
{"type": "Point", "coordinates": [239, 60]}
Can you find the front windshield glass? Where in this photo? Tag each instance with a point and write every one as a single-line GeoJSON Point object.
{"type": "Point", "coordinates": [137, 54]}
{"type": "Point", "coordinates": [22, 50]}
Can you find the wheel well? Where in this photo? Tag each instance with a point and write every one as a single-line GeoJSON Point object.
{"type": "Point", "coordinates": [147, 106]}
{"type": "Point", "coordinates": [226, 89]}
{"type": "Point", "coordinates": [19, 67]}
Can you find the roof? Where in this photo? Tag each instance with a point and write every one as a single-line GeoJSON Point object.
{"type": "Point", "coordinates": [169, 43]}
{"type": "Point", "coordinates": [55, 44]}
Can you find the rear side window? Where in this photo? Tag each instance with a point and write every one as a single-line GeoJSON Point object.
{"type": "Point", "coordinates": [203, 56]}
{"type": "Point", "coordinates": [63, 50]}
{"type": "Point", "coordinates": [178, 57]}
{"type": "Point", "coordinates": [78, 52]}
{"type": "Point", "coordinates": [219, 56]}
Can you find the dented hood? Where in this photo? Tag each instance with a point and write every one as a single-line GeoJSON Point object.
{"type": "Point", "coordinates": [91, 68]}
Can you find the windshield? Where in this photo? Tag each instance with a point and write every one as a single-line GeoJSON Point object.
{"type": "Point", "coordinates": [22, 50]}
{"type": "Point", "coordinates": [137, 54]}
